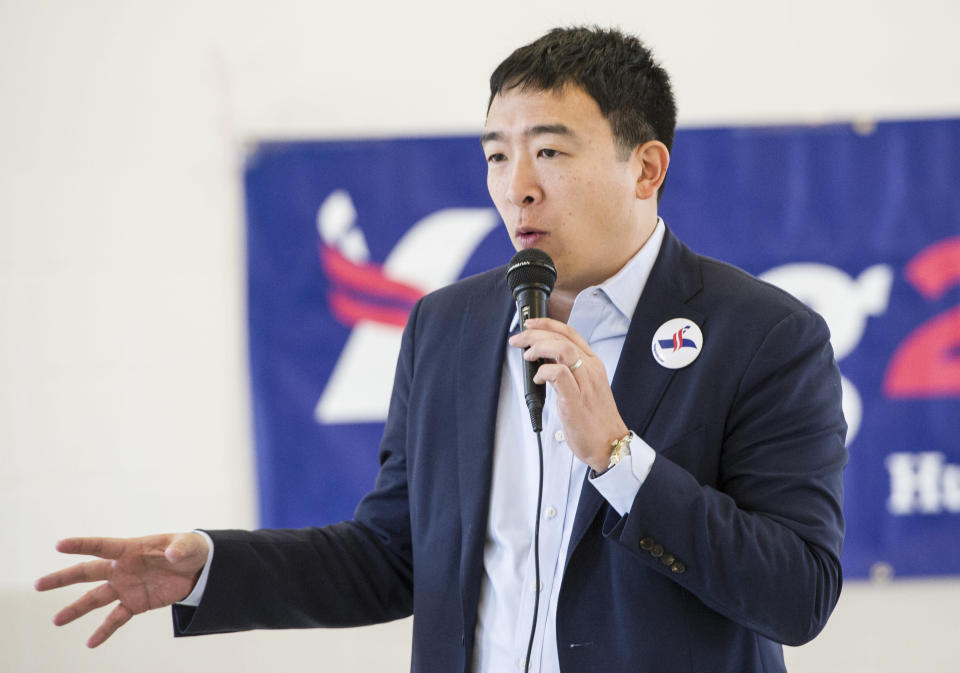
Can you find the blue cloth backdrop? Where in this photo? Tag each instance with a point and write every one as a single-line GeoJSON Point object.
{"type": "Point", "coordinates": [862, 223]}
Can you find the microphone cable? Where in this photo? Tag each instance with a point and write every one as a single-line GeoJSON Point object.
{"type": "Point", "coordinates": [536, 556]}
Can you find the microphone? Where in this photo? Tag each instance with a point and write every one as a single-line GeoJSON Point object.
{"type": "Point", "coordinates": [531, 276]}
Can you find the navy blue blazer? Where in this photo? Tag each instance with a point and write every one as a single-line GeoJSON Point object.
{"type": "Point", "coordinates": [732, 545]}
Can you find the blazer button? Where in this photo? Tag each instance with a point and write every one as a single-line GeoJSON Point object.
{"type": "Point", "coordinates": [646, 544]}
{"type": "Point", "coordinates": [678, 567]}
{"type": "Point", "coordinates": [657, 551]}
{"type": "Point", "coordinates": [667, 559]}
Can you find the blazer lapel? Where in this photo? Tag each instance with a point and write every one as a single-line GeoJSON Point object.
{"type": "Point", "coordinates": [639, 382]}
{"type": "Point", "coordinates": [481, 350]}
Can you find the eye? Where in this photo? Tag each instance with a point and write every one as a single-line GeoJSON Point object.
{"type": "Point", "coordinates": [496, 158]}
{"type": "Point", "coordinates": [548, 153]}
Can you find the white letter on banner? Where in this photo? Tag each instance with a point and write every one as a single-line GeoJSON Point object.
{"type": "Point", "coordinates": [915, 482]}
{"type": "Point", "coordinates": [951, 488]}
{"type": "Point", "coordinates": [845, 303]}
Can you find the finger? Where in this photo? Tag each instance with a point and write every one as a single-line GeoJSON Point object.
{"type": "Point", "coordinates": [561, 328]}
{"type": "Point", "coordinates": [119, 616]}
{"type": "Point", "coordinates": [104, 547]}
{"type": "Point", "coordinates": [531, 337]}
{"type": "Point", "coordinates": [560, 377]}
{"type": "Point", "coordinates": [89, 571]}
{"type": "Point", "coordinates": [544, 344]}
{"type": "Point", "coordinates": [93, 599]}
{"type": "Point", "coordinates": [560, 350]}
{"type": "Point", "coordinates": [528, 337]}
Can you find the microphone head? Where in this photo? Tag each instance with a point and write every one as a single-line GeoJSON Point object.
{"type": "Point", "coordinates": [531, 267]}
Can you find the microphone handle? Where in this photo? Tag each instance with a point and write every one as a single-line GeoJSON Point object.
{"type": "Point", "coordinates": [532, 303]}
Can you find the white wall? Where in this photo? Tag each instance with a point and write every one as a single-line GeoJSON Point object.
{"type": "Point", "coordinates": [123, 387]}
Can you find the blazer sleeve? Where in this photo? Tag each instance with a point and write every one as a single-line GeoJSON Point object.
{"type": "Point", "coordinates": [348, 574]}
{"type": "Point", "coordinates": [761, 546]}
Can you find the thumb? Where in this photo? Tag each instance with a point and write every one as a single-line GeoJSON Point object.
{"type": "Point", "coordinates": [185, 545]}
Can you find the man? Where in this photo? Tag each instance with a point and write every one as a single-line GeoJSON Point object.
{"type": "Point", "coordinates": [694, 438]}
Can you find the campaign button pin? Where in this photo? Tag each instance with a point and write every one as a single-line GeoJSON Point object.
{"type": "Point", "coordinates": [677, 343]}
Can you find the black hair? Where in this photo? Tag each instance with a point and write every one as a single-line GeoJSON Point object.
{"type": "Point", "coordinates": [632, 90]}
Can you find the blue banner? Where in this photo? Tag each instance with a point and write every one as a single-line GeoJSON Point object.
{"type": "Point", "coordinates": [862, 223]}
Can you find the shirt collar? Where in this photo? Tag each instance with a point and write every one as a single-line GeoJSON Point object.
{"type": "Point", "coordinates": [624, 288]}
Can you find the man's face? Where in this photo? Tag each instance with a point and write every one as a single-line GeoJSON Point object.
{"type": "Point", "coordinates": [555, 175]}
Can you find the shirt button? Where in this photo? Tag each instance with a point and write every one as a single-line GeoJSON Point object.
{"type": "Point", "coordinates": [559, 436]}
{"type": "Point", "coordinates": [551, 512]}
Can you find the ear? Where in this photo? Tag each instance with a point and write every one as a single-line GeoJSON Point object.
{"type": "Point", "coordinates": [651, 159]}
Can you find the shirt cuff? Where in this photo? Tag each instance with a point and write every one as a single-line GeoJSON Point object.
{"type": "Point", "coordinates": [619, 484]}
{"type": "Point", "coordinates": [193, 600]}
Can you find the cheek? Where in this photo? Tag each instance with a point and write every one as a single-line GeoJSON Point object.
{"type": "Point", "coordinates": [499, 203]}
{"type": "Point", "coordinates": [495, 190]}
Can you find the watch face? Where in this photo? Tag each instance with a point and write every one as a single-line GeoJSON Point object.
{"type": "Point", "coordinates": [620, 449]}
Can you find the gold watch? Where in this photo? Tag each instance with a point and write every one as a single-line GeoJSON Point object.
{"type": "Point", "coordinates": [620, 448]}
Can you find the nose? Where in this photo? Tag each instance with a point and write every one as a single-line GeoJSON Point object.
{"type": "Point", "coordinates": [523, 188]}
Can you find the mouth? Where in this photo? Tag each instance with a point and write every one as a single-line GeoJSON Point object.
{"type": "Point", "coordinates": [530, 238]}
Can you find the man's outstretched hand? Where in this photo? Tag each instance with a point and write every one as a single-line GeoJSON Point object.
{"type": "Point", "coordinates": [141, 573]}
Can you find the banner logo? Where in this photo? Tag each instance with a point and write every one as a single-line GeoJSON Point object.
{"type": "Point", "coordinates": [375, 300]}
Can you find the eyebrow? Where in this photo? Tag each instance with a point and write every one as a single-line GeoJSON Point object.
{"type": "Point", "coordinates": [538, 130]}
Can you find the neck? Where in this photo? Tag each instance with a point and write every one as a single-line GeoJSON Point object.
{"type": "Point", "coordinates": [560, 304]}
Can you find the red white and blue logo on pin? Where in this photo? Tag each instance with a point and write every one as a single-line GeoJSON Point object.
{"type": "Point", "coordinates": [677, 343]}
